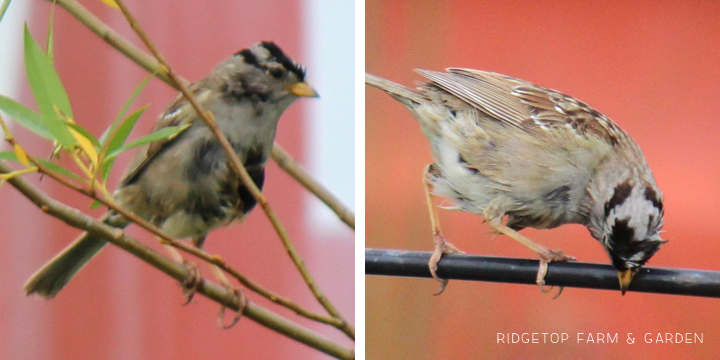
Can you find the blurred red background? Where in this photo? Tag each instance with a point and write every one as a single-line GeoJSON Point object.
{"type": "Point", "coordinates": [119, 307]}
{"type": "Point", "coordinates": [650, 66]}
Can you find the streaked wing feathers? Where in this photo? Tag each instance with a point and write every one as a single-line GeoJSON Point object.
{"type": "Point", "coordinates": [524, 105]}
{"type": "Point", "coordinates": [179, 112]}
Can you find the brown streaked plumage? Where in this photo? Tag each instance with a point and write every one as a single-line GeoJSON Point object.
{"type": "Point", "coordinates": [505, 147]}
{"type": "Point", "coordinates": [184, 184]}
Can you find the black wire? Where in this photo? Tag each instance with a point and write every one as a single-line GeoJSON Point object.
{"type": "Point", "coordinates": [524, 271]}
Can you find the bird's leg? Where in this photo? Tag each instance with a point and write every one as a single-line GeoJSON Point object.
{"type": "Point", "coordinates": [224, 281]}
{"type": "Point", "coordinates": [442, 246]}
{"type": "Point", "coordinates": [546, 255]}
{"type": "Point", "coordinates": [192, 283]}
{"type": "Point", "coordinates": [198, 241]}
{"type": "Point", "coordinates": [194, 280]}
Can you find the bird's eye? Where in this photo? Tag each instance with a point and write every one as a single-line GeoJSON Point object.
{"type": "Point", "coordinates": [276, 73]}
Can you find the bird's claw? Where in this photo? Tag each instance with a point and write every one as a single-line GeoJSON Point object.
{"type": "Point", "coordinates": [238, 314]}
{"type": "Point", "coordinates": [441, 247]}
{"type": "Point", "coordinates": [545, 258]}
{"type": "Point", "coordinates": [192, 283]}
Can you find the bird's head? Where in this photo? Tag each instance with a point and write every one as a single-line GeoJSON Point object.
{"type": "Point", "coordinates": [630, 232]}
{"type": "Point", "coordinates": [262, 74]}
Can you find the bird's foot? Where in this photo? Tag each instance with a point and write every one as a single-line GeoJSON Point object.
{"type": "Point", "coordinates": [241, 308]}
{"type": "Point", "coordinates": [547, 257]}
{"type": "Point", "coordinates": [192, 283]}
{"type": "Point", "coordinates": [442, 246]}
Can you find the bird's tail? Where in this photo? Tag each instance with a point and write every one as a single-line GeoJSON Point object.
{"type": "Point", "coordinates": [52, 277]}
{"type": "Point", "coordinates": [401, 93]}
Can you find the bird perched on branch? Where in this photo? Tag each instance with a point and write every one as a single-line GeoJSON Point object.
{"type": "Point", "coordinates": [185, 185]}
{"type": "Point", "coordinates": [505, 147]}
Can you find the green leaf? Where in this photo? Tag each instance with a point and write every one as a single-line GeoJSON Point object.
{"type": "Point", "coordinates": [3, 8]}
{"type": "Point", "coordinates": [118, 138]}
{"type": "Point", "coordinates": [49, 45]}
{"type": "Point", "coordinates": [85, 133]}
{"type": "Point", "coordinates": [95, 204]}
{"type": "Point", "coordinates": [48, 91]}
{"type": "Point", "coordinates": [123, 131]}
{"type": "Point", "coordinates": [111, 130]}
{"type": "Point", "coordinates": [57, 168]}
{"type": "Point", "coordinates": [8, 155]}
{"type": "Point", "coordinates": [24, 116]}
{"type": "Point", "coordinates": [164, 133]}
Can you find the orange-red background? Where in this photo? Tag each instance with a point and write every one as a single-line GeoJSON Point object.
{"type": "Point", "coordinates": [651, 66]}
{"type": "Point", "coordinates": [118, 307]}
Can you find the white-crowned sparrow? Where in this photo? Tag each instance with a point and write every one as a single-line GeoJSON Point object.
{"type": "Point", "coordinates": [185, 185]}
{"type": "Point", "coordinates": [503, 146]}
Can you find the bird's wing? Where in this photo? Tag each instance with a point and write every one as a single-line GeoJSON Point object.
{"type": "Point", "coordinates": [179, 113]}
{"type": "Point", "coordinates": [524, 105]}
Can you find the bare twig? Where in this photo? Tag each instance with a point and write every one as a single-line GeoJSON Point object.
{"type": "Point", "coordinates": [212, 259]}
{"type": "Point", "coordinates": [217, 293]}
{"type": "Point", "coordinates": [287, 163]}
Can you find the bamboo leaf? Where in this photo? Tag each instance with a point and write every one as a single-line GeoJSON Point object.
{"type": "Point", "coordinates": [24, 116]}
{"type": "Point", "coordinates": [8, 155]}
{"type": "Point", "coordinates": [123, 131]}
{"type": "Point", "coordinates": [21, 154]}
{"type": "Point", "coordinates": [75, 126]}
{"type": "Point", "coordinates": [118, 138]}
{"type": "Point", "coordinates": [95, 204]}
{"type": "Point", "coordinates": [111, 3]}
{"type": "Point", "coordinates": [48, 91]}
{"type": "Point", "coordinates": [121, 115]}
{"type": "Point", "coordinates": [86, 145]}
{"type": "Point", "coordinates": [164, 133]}
{"type": "Point", "coordinates": [57, 168]}
{"type": "Point", "coordinates": [4, 8]}
{"type": "Point", "coordinates": [49, 48]}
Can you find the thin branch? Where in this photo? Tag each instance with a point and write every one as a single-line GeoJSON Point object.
{"type": "Point", "coordinates": [151, 64]}
{"type": "Point", "coordinates": [217, 293]}
{"type": "Point", "coordinates": [523, 271]}
{"type": "Point", "coordinates": [287, 163]}
{"type": "Point", "coordinates": [238, 167]}
{"type": "Point", "coordinates": [212, 259]}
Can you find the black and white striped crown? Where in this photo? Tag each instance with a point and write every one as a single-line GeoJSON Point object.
{"type": "Point", "coordinates": [256, 57]}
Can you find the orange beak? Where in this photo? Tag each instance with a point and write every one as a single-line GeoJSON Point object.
{"type": "Point", "coordinates": [302, 89]}
{"type": "Point", "coordinates": [625, 279]}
